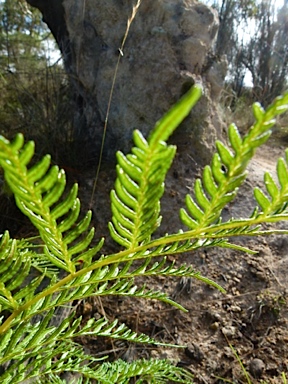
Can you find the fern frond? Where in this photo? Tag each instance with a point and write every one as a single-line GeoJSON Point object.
{"type": "Point", "coordinates": [112, 330]}
{"type": "Point", "coordinates": [30, 339]}
{"type": "Point", "coordinates": [152, 371]}
{"type": "Point", "coordinates": [12, 261]}
{"type": "Point", "coordinates": [135, 201]}
{"type": "Point", "coordinates": [222, 179]}
{"type": "Point", "coordinates": [276, 202]}
{"type": "Point", "coordinates": [142, 371]}
{"type": "Point", "coordinates": [78, 289]}
{"type": "Point", "coordinates": [38, 365]}
{"type": "Point", "coordinates": [218, 187]}
{"type": "Point", "coordinates": [202, 215]}
{"type": "Point", "coordinates": [43, 343]}
{"type": "Point", "coordinates": [127, 273]}
{"type": "Point", "coordinates": [39, 262]}
{"type": "Point", "coordinates": [36, 191]}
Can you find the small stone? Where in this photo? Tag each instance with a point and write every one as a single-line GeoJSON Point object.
{"type": "Point", "coordinates": [212, 316]}
{"type": "Point", "coordinates": [256, 368]}
{"type": "Point", "coordinates": [235, 291]}
{"type": "Point", "coordinates": [193, 352]}
{"type": "Point", "coordinates": [229, 331]}
{"type": "Point", "coordinates": [228, 352]}
{"type": "Point", "coordinates": [235, 308]}
{"type": "Point", "coordinates": [214, 326]}
{"type": "Point", "coordinates": [97, 315]}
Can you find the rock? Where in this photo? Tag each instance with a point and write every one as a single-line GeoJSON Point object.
{"type": "Point", "coordinates": [169, 48]}
{"type": "Point", "coordinates": [193, 352]}
{"type": "Point", "coordinates": [229, 331]}
{"type": "Point", "coordinates": [235, 308]}
{"type": "Point", "coordinates": [214, 326]}
{"type": "Point", "coordinates": [256, 368]}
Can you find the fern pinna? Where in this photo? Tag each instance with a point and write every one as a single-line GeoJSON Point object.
{"type": "Point", "coordinates": [35, 347]}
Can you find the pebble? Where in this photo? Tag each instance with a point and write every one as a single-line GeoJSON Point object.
{"type": "Point", "coordinates": [214, 326]}
{"type": "Point", "coordinates": [235, 291]}
{"type": "Point", "coordinates": [235, 308]}
{"type": "Point", "coordinates": [256, 368]}
{"type": "Point", "coordinates": [228, 352]}
{"type": "Point", "coordinates": [229, 330]}
{"type": "Point", "coordinates": [194, 352]}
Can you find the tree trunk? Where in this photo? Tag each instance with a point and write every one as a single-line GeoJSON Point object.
{"type": "Point", "coordinates": [168, 48]}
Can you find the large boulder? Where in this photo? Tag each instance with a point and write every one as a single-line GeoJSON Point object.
{"type": "Point", "coordinates": [168, 48]}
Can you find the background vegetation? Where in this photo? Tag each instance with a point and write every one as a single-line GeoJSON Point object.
{"type": "Point", "coordinates": [253, 36]}
{"type": "Point", "coordinates": [34, 87]}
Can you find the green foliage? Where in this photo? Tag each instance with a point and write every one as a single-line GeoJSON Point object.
{"type": "Point", "coordinates": [35, 96]}
{"type": "Point", "coordinates": [21, 36]}
{"type": "Point", "coordinates": [261, 54]}
{"type": "Point", "coordinates": [36, 345]}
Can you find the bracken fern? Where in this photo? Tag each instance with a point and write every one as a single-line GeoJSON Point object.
{"type": "Point", "coordinates": [33, 348]}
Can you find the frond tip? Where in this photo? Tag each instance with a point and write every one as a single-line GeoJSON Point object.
{"type": "Point", "coordinates": [37, 192]}
{"type": "Point", "coordinates": [139, 186]}
{"type": "Point", "coordinates": [221, 180]}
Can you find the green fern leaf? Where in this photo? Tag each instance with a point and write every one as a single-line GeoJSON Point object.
{"type": "Point", "coordinates": [33, 340]}
{"type": "Point", "coordinates": [135, 201]}
{"type": "Point", "coordinates": [227, 171]}
{"type": "Point", "coordinates": [11, 263]}
{"type": "Point", "coordinates": [39, 365]}
{"type": "Point", "coordinates": [36, 191]}
{"type": "Point", "coordinates": [276, 204]}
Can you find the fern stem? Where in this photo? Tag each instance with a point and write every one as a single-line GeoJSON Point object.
{"type": "Point", "coordinates": [49, 291]}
